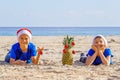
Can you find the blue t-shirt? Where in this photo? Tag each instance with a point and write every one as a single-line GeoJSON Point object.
{"type": "Point", "coordinates": [97, 61]}
{"type": "Point", "coordinates": [17, 54]}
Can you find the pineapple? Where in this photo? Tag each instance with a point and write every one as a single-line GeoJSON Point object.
{"type": "Point", "coordinates": [67, 57]}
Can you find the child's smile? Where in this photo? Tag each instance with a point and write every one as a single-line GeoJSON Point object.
{"type": "Point", "coordinates": [24, 39]}
{"type": "Point", "coordinates": [99, 42]}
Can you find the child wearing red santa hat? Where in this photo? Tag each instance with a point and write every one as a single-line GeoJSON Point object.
{"type": "Point", "coordinates": [23, 52]}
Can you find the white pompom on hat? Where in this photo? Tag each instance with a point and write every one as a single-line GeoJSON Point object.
{"type": "Point", "coordinates": [105, 41]}
{"type": "Point", "coordinates": [24, 31]}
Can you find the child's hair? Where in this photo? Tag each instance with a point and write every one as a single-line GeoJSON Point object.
{"type": "Point", "coordinates": [97, 37]}
{"type": "Point", "coordinates": [100, 36]}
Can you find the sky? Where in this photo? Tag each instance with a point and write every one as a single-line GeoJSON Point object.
{"type": "Point", "coordinates": [60, 13]}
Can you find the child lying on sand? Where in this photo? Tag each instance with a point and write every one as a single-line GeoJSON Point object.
{"type": "Point", "coordinates": [99, 53]}
{"type": "Point", "coordinates": [23, 52]}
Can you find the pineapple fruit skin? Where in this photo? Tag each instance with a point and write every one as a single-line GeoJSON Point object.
{"type": "Point", "coordinates": [67, 58]}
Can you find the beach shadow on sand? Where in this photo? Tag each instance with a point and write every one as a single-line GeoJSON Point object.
{"type": "Point", "coordinates": [78, 63]}
{"type": "Point", "coordinates": [3, 62]}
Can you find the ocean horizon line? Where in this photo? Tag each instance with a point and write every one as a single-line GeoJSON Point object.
{"type": "Point", "coordinates": [61, 31]}
{"type": "Point", "coordinates": [59, 26]}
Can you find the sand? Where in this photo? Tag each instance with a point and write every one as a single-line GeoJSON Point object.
{"type": "Point", "coordinates": [51, 67]}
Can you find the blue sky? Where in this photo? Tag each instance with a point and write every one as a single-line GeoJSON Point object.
{"type": "Point", "coordinates": [53, 13]}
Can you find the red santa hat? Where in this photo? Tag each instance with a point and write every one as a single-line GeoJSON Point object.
{"type": "Point", "coordinates": [24, 31]}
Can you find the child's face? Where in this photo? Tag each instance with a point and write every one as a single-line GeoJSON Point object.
{"type": "Point", "coordinates": [99, 42]}
{"type": "Point", "coordinates": [24, 40]}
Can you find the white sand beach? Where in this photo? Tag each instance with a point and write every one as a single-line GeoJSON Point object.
{"type": "Point", "coordinates": [51, 67]}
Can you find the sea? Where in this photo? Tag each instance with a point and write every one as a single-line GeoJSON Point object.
{"type": "Point", "coordinates": [63, 31]}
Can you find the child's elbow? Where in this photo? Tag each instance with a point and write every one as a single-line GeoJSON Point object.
{"type": "Point", "coordinates": [87, 63]}
{"type": "Point", "coordinates": [107, 63]}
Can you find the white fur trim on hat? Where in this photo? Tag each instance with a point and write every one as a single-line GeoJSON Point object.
{"type": "Point", "coordinates": [105, 41]}
{"type": "Point", "coordinates": [24, 32]}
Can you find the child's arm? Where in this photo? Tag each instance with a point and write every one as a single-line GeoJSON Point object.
{"type": "Point", "coordinates": [35, 60]}
{"type": "Point", "coordinates": [105, 60]}
{"type": "Point", "coordinates": [90, 59]}
{"type": "Point", "coordinates": [17, 62]}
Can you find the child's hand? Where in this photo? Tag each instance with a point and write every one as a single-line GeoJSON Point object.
{"type": "Point", "coordinates": [23, 62]}
{"type": "Point", "coordinates": [102, 48]}
{"type": "Point", "coordinates": [20, 62]}
{"type": "Point", "coordinates": [94, 48]}
{"type": "Point", "coordinates": [40, 50]}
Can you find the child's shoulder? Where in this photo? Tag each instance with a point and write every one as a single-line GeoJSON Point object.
{"type": "Point", "coordinates": [107, 49]}
{"type": "Point", "coordinates": [108, 52]}
{"type": "Point", "coordinates": [31, 44]}
{"type": "Point", "coordinates": [15, 44]}
{"type": "Point", "coordinates": [91, 49]}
